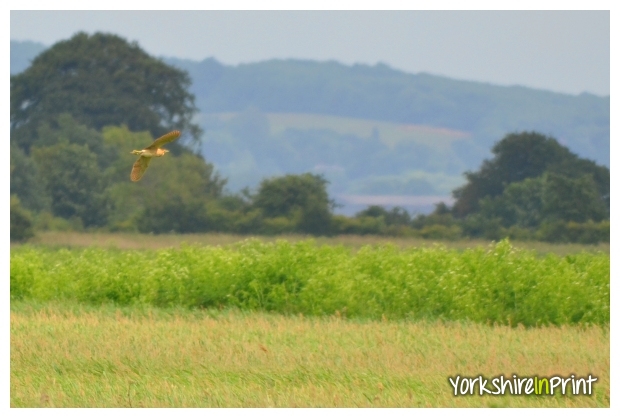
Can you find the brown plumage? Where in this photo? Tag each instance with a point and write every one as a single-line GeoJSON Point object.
{"type": "Point", "coordinates": [153, 150]}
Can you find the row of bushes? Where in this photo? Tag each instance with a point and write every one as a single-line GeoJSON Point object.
{"type": "Point", "coordinates": [23, 225]}
{"type": "Point", "coordinates": [558, 231]}
{"type": "Point", "coordinates": [499, 284]}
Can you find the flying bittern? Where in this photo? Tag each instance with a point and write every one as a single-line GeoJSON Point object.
{"type": "Point", "coordinates": [153, 150]}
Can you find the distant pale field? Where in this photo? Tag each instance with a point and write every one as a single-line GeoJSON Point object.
{"type": "Point", "coordinates": [65, 355]}
{"type": "Point", "coordinates": [390, 133]}
{"type": "Point", "coordinates": [149, 241]}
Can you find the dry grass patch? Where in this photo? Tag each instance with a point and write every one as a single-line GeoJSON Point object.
{"type": "Point", "coordinates": [135, 241]}
{"type": "Point", "coordinates": [79, 356]}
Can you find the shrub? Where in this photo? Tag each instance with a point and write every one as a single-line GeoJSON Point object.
{"type": "Point", "coordinates": [21, 221]}
{"type": "Point", "coordinates": [499, 284]}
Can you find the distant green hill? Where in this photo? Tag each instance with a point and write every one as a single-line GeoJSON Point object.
{"type": "Point", "coordinates": [371, 130]}
{"type": "Point", "coordinates": [358, 156]}
{"type": "Point", "coordinates": [352, 123]}
{"type": "Point", "coordinates": [485, 111]}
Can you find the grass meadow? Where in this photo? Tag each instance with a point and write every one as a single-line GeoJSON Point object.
{"type": "Point", "coordinates": [300, 323]}
{"type": "Point", "coordinates": [65, 355]}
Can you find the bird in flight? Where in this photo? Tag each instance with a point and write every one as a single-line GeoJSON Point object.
{"type": "Point", "coordinates": [153, 150]}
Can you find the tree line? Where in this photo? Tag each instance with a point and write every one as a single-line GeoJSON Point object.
{"type": "Point", "coordinates": [83, 104]}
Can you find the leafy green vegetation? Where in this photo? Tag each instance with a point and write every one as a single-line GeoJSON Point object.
{"type": "Point", "coordinates": [184, 194]}
{"type": "Point", "coordinates": [70, 156]}
{"type": "Point", "coordinates": [317, 109]}
{"type": "Point", "coordinates": [534, 186]}
{"type": "Point", "coordinates": [101, 80]}
{"type": "Point", "coordinates": [499, 284]}
{"type": "Point", "coordinates": [21, 221]}
{"type": "Point", "coordinates": [564, 180]}
{"type": "Point", "coordinates": [261, 323]}
{"type": "Point", "coordinates": [80, 178]}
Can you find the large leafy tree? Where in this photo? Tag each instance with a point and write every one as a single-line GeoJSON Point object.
{"type": "Point", "coordinates": [521, 156]}
{"type": "Point", "coordinates": [302, 198]}
{"type": "Point", "coordinates": [101, 80]}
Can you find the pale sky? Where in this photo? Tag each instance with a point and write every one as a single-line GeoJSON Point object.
{"type": "Point", "coordinates": [562, 51]}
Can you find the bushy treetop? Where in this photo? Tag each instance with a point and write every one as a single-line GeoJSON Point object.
{"type": "Point", "coordinates": [102, 80]}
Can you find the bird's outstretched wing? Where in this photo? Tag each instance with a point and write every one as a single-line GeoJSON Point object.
{"type": "Point", "coordinates": [169, 137]}
{"type": "Point", "coordinates": [139, 167]}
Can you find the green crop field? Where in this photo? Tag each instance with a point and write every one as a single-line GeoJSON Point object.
{"type": "Point", "coordinates": [302, 323]}
{"type": "Point", "coordinates": [498, 284]}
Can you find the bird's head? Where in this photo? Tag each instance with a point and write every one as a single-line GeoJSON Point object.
{"type": "Point", "coordinates": [136, 152]}
{"type": "Point", "coordinates": [166, 151]}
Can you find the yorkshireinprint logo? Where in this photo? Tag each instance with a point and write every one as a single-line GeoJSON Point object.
{"type": "Point", "coordinates": [522, 385]}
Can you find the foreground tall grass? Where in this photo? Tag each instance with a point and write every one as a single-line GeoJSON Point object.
{"type": "Point", "coordinates": [76, 355]}
{"type": "Point", "coordinates": [499, 284]}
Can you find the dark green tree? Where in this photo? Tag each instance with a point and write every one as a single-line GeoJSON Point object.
{"type": "Point", "coordinates": [302, 198]}
{"type": "Point", "coordinates": [572, 199]}
{"type": "Point", "coordinates": [583, 167]}
{"type": "Point", "coordinates": [374, 211]}
{"type": "Point", "coordinates": [21, 221]}
{"type": "Point", "coordinates": [176, 196]}
{"type": "Point", "coordinates": [548, 199]}
{"type": "Point", "coordinates": [395, 216]}
{"type": "Point", "coordinates": [74, 182]}
{"type": "Point", "coordinates": [520, 204]}
{"type": "Point", "coordinates": [517, 157]}
{"type": "Point", "coordinates": [101, 80]}
{"type": "Point", "coordinates": [64, 128]}
{"type": "Point", "coordinates": [26, 182]}
{"type": "Point", "coordinates": [440, 216]}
